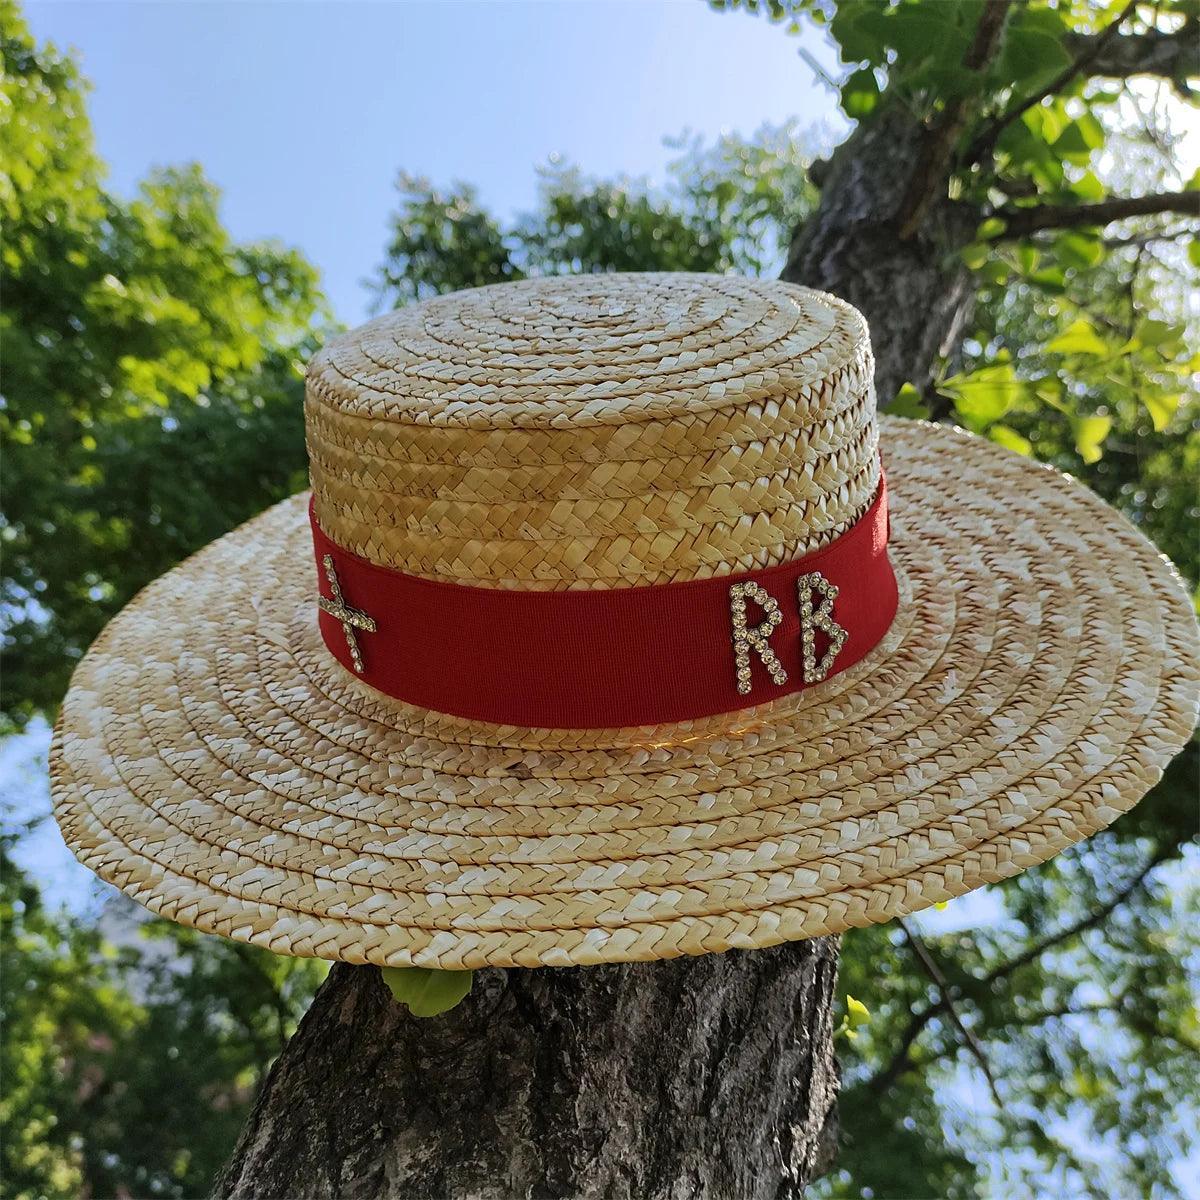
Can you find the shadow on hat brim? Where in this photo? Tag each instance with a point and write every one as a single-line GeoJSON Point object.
{"type": "Point", "coordinates": [214, 762]}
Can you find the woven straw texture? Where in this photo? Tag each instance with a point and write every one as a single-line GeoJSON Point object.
{"type": "Point", "coordinates": [213, 761]}
{"type": "Point", "coordinates": [595, 431]}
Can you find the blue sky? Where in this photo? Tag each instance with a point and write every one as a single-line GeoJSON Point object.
{"type": "Point", "coordinates": [304, 112]}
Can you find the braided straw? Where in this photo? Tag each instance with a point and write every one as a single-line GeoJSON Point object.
{"type": "Point", "coordinates": [595, 431]}
{"type": "Point", "coordinates": [214, 761]}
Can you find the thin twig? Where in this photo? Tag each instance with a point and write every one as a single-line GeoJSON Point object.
{"type": "Point", "coordinates": [901, 1060]}
{"type": "Point", "coordinates": [818, 70]}
{"type": "Point", "coordinates": [1174, 234]}
{"type": "Point", "coordinates": [1172, 56]}
{"type": "Point", "coordinates": [1025, 1022]}
{"type": "Point", "coordinates": [1159, 235]}
{"type": "Point", "coordinates": [937, 149]}
{"type": "Point", "coordinates": [985, 143]}
{"type": "Point", "coordinates": [934, 972]}
{"type": "Point", "coordinates": [1077, 927]}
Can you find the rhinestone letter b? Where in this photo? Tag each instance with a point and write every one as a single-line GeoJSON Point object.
{"type": "Point", "coordinates": [819, 618]}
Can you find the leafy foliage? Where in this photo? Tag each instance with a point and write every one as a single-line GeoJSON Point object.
{"type": "Point", "coordinates": [138, 337]}
{"type": "Point", "coordinates": [1026, 132]}
{"type": "Point", "coordinates": [726, 207]}
{"type": "Point", "coordinates": [1102, 369]}
{"type": "Point", "coordinates": [128, 1069]}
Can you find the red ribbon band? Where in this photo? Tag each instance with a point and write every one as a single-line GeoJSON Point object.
{"type": "Point", "coordinates": [596, 658]}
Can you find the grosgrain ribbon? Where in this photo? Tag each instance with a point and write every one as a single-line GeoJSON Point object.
{"type": "Point", "coordinates": [594, 658]}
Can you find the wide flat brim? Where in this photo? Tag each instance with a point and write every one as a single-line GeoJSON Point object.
{"type": "Point", "coordinates": [213, 761]}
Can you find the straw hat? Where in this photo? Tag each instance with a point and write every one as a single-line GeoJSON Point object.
{"type": "Point", "coordinates": [241, 750]}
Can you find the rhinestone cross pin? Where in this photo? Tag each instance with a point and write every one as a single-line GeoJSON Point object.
{"type": "Point", "coordinates": [339, 610]}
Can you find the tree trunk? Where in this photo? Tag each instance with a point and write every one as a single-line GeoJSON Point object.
{"type": "Point", "coordinates": [915, 292]}
{"type": "Point", "coordinates": [704, 1077]}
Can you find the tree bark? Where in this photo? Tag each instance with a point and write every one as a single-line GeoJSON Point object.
{"type": "Point", "coordinates": [914, 290]}
{"type": "Point", "coordinates": [704, 1077]}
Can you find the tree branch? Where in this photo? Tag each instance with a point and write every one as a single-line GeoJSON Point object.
{"type": "Point", "coordinates": [1174, 56]}
{"type": "Point", "coordinates": [1020, 222]}
{"type": "Point", "coordinates": [1027, 1021]}
{"type": "Point", "coordinates": [901, 1060]}
{"type": "Point", "coordinates": [937, 150]}
{"type": "Point", "coordinates": [969, 1039]}
{"type": "Point", "coordinates": [985, 143]}
{"type": "Point", "coordinates": [1173, 233]}
{"type": "Point", "coordinates": [1068, 932]}
{"type": "Point", "coordinates": [1158, 235]}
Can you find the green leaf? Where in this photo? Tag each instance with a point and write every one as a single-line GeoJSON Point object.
{"type": "Point", "coordinates": [1193, 252]}
{"type": "Point", "coordinates": [1032, 56]}
{"type": "Point", "coordinates": [1088, 188]}
{"type": "Point", "coordinates": [1005, 435]}
{"type": "Point", "coordinates": [1090, 433]}
{"type": "Point", "coordinates": [1028, 257]}
{"type": "Point", "coordinates": [860, 94]}
{"type": "Point", "coordinates": [1049, 21]}
{"type": "Point", "coordinates": [1072, 145]}
{"type": "Point", "coordinates": [1050, 280]}
{"type": "Point", "coordinates": [857, 1013]}
{"type": "Point", "coordinates": [1045, 121]}
{"type": "Point", "coordinates": [1027, 150]}
{"type": "Point", "coordinates": [991, 228]}
{"type": "Point", "coordinates": [1079, 337]}
{"type": "Point", "coordinates": [1049, 390]}
{"type": "Point", "coordinates": [976, 254]}
{"type": "Point", "coordinates": [995, 271]}
{"type": "Point", "coordinates": [1078, 250]}
{"type": "Point", "coordinates": [948, 81]}
{"type": "Point", "coordinates": [1048, 172]}
{"type": "Point", "coordinates": [1161, 406]}
{"type": "Point", "coordinates": [1153, 333]}
{"type": "Point", "coordinates": [908, 403]}
{"type": "Point", "coordinates": [858, 43]}
{"type": "Point", "coordinates": [984, 395]}
{"type": "Point", "coordinates": [1080, 138]}
{"type": "Point", "coordinates": [913, 32]}
{"type": "Point", "coordinates": [426, 991]}
{"type": "Point", "coordinates": [1092, 131]}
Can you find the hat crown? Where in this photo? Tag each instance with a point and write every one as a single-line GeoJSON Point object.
{"type": "Point", "coordinates": [595, 431]}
